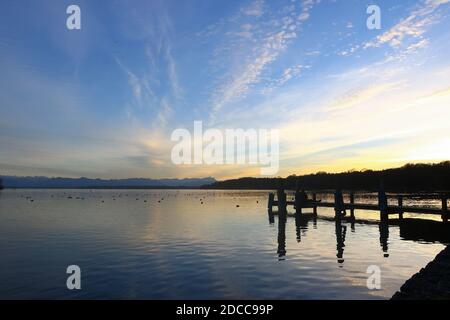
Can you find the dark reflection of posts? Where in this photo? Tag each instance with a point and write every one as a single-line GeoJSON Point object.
{"type": "Point", "coordinates": [281, 237]}
{"type": "Point", "coordinates": [271, 217]}
{"type": "Point", "coordinates": [384, 237]}
{"type": "Point", "coordinates": [301, 225]}
{"type": "Point", "coordinates": [340, 240]}
{"type": "Point", "coordinates": [298, 227]}
{"type": "Point", "coordinates": [314, 197]}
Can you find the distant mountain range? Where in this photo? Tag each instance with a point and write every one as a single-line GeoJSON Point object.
{"type": "Point", "coordinates": [46, 182]}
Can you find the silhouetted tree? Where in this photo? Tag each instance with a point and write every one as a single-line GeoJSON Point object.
{"type": "Point", "coordinates": [410, 177]}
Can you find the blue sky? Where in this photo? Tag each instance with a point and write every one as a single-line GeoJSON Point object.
{"type": "Point", "coordinates": [102, 101]}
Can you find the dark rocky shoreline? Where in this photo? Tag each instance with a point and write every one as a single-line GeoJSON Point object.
{"type": "Point", "coordinates": [430, 283]}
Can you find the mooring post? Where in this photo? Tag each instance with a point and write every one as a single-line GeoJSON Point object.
{"type": "Point", "coordinates": [444, 209]}
{"type": "Point", "coordinates": [298, 202]}
{"type": "Point", "coordinates": [336, 207]}
{"type": "Point", "coordinates": [314, 198]}
{"type": "Point", "coordinates": [382, 204]}
{"type": "Point", "coordinates": [270, 203]}
{"type": "Point", "coordinates": [352, 202]}
{"type": "Point", "coordinates": [281, 202]}
{"type": "Point", "coordinates": [400, 207]}
{"type": "Point", "coordinates": [269, 207]}
{"type": "Point", "coordinates": [339, 204]}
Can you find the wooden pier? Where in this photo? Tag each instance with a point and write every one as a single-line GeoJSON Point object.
{"type": "Point", "coordinates": [301, 201]}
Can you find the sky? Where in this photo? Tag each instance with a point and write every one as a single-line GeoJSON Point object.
{"type": "Point", "coordinates": [103, 101]}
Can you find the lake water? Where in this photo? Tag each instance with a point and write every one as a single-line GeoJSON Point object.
{"type": "Point", "coordinates": [166, 244]}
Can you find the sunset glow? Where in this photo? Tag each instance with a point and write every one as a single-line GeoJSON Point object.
{"type": "Point", "coordinates": [103, 101]}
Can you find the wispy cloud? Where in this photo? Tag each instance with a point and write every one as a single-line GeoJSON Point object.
{"type": "Point", "coordinates": [155, 83]}
{"type": "Point", "coordinates": [172, 72]}
{"type": "Point", "coordinates": [342, 96]}
{"type": "Point", "coordinates": [273, 38]}
{"type": "Point", "coordinates": [356, 97]}
{"type": "Point", "coordinates": [256, 9]}
{"type": "Point", "coordinates": [133, 81]}
{"type": "Point", "coordinates": [287, 75]}
{"type": "Point", "coordinates": [412, 27]}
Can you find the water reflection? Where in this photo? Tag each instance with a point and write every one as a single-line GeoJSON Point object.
{"type": "Point", "coordinates": [416, 230]}
{"type": "Point", "coordinates": [384, 237]}
{"type": "Point", "coordinates": [341, 231]}
{"type": "Point", "coordinates": [271, 216]}
{"type": "Point", "coordinates": [298, 226]}
{"type": "Point", "coordinates": [281, 238]}
{"type": "Point", "coordinates": [301, 226]}
{"type": "Point", "coordinates": [181, 248]}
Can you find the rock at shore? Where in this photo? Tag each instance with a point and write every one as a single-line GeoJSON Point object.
{"type": "Point", "coordinates": [431, 282]}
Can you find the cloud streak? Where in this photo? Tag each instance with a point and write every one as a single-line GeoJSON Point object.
{"type": "Point", "coordinates": [412, 27]}
{"type": "Point", "coordinates": [274, 39]}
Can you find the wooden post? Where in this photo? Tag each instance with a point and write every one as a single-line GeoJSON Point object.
{"type": "Point", "coordinates": [400, 207]}
{"type": "Point", "coordinates": [382, 204]}
{"type": "Point", "coordinates": [269, 207]}
{"type": "Point", "coordinates": [298, 202]}
{"type": "Point", "coordinates": [444, 209]}
{"type": "Point", "coordinates": [281, 203]}
{"type": "Point", "coordinates": [314, 198]}
{"type": "Point", "coordinates": [336, 205]}
{"type": "Point", "coordinates": [271, 199]}
{"type": "Point", "coordinates": [339, 204]}
{"type": "Point", "coordinates": [352, 202]}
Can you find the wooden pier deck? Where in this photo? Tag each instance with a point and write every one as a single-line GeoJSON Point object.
{"type": "Point", "coordinates": [301, 201]}
{"type": "Point", "coordinates": [364, 206]}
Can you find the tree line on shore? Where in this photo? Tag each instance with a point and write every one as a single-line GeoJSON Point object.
{"type": "Point", "coordinates": [408, 178]}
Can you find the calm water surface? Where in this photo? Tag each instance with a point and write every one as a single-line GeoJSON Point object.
{"type": "Point", "coordinates": [155, 244]}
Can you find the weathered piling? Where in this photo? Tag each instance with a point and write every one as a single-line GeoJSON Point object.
{"type": "Point", "coordinates": [282, 211]}
{"type": "Point", "coordinates": [383, 205]}
{"type": "Point", "coordinates": [400, 207]}
{"type": "Point", "coordinates": [352, 202]}
{"type": "Point", "coordinates": [271, 200]}
{"type": "Point", "coordinates": [314, 198]}
{"type": "Point", "coordinates": [444, 209]}
{"type": "Point", "coordinates": [339, 207]}
{"type": "Point", "coordinates": [269, 208]}
{"type": "Point", "coordinates": [298, 203]}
